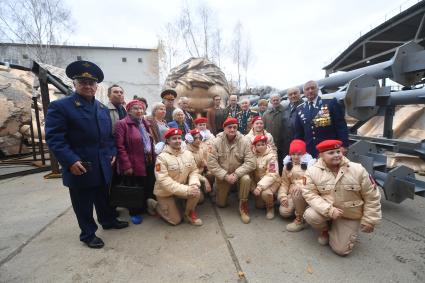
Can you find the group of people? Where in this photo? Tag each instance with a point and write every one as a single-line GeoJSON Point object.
{"type": "Point", "coordinates": [291, 155]}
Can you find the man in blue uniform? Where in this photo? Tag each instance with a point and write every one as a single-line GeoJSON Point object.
{"type": "Point", "coordinates": [79, 133]}
{"type": "Point", "coordinates": [319, 119]}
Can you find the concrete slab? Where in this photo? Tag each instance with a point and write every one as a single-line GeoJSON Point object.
{"type": "Point", "coordinates": [40, 244]}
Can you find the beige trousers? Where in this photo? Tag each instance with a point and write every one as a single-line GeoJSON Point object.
{"type": "Point", "coordinates": [342, 235]}
{"type": "Point", "coordinates": [296, 204]}
{"type": "Point", "coordinates": [223, 189]}
{"type": "Point", "coordinates": [266, 198]}
{"type": "Point", "coordinates": [168, 210]}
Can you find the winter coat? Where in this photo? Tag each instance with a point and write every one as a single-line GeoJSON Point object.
{"type": "Point", "coordinates": [130, 147]}
{"type": "Point", "coordinates": [227, 158]}
{"type": "Point", "coordinates": [352, 190]}
{"type": "Point", "coordinates": [175, 171]}
{"type": "Point", "coordinates": [266, 173]}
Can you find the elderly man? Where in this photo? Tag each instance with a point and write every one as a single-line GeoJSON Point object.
{"type": "Point", "coordinates": [115, 104]}
{"type": "Point", "coordinates": [79, 133]}
{"type": "Point", "coordinates": [319, 119]}
{"type": "Point", "coordinates": [245, 116]}
{"type": "Point", "coordinates": [184, 105]}
{"type": "Point", "coordinates": [294, 97]}
{"type": "Point", "coordinates": [342, 193]}
{"type": "Point", "coordinates": [216, 116]}
{"type": "Point", "coordinates": [230, 161]}
{"type": "Point", "coordinates": [273, 122]}
{"type": "Point", "coordinates": [233, 108]}
{"type": "Point", "coordinates": [168, 96]}
{"type": "Point", "coordinates": [176, 178]}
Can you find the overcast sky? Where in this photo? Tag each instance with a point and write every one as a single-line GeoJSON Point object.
{"type": "Point", "coordinates": [292, 40]}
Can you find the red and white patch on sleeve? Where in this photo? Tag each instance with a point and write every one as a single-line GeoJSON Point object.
{"type": "Point", "coordinates": [304, 180]}
{"type": "Point", "coordinates": [372, 180]}
{"type": "Point", "coordinates": [272, 167]}
{"type": "Point", "coordinates": [158, 167]}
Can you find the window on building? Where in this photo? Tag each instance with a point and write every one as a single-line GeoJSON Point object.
{"type": "Point", "coordinates": [140, 60]}
{"type": "Point", "coordinates": [124, 59]}
{"type": "Point", "coordinates": [25, 56]}
{"type": "Point", "coordinates": [79, 58]}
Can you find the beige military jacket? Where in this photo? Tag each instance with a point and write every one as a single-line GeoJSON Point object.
{"type": "Point", "coordinates": [250, 137]}
{"type": "Point", "coordinates": [266, 173]}
{"type": "Point", "coordinates": [175, 171]}
{"type": "Point", "coordinates": [200, 156]}
{"type": "Point", "coordinates": [289, 180]}
{"type": "Point", "coordinates": [351, 190]}
{"type": "Point", "coordinates": [226, 158]}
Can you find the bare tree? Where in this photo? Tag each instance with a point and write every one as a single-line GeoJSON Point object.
{"type": "Point", "coordinates": [237, 49]}
{"type": "Point", "coordinates": [217, 45]}
{"type": "Point", "coordinates": [204, 14]}
{"type": "Point", "coordinates": [168, 48]}
{"type": "Point", "coordinates": [247, 57]}
{"type": "Point", "coordinates": [40, 23]}
{"type": "Point", "coordinates": [187, 30]}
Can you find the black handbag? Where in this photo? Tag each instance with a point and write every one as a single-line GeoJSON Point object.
{"type": "Point", "coordinates": [125, 191]}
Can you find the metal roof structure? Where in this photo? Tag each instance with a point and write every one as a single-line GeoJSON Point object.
{"type": "Point", "coordinates": [380, 43]}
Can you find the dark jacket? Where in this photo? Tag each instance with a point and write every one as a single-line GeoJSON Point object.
{"type": "Point", "coordinates": [325, 121]}
{"type": "Point", "coordinates": [130, 147]}
{"type": "Point", "coordinates": [79, 130]}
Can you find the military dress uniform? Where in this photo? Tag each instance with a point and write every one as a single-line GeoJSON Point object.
{"type": "Point", "coordinates": [324, 120]}
{"type": "Point", "coordinates": [352, 190]}
{"type": "Point", "coordinates": [81, 130]}
{"type": "Point", "coordinates": [244, 119]}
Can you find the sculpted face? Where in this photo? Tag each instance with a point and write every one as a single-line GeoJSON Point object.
{"type": "Point", "coordinates": [311, 90]}
{"type": "Point", "coordinates": [175, 142]}
{"type": "Point", "coordinates": [85, 87]}
{"type": "Point", "coordinates": [332, 158]}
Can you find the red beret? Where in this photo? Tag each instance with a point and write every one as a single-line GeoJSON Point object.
{"type": "Point", "coordinates": [230, 121]}
{"type": "Point", "coordinates": [172, 132]}
{"type": "Point", "coordinates": [328, 145]}
{"type": "Point", "coordinates": [256, 118]}
{"type": "Point", "coordinates": [194, 132]}
{"type": "Point", "coordinates": [297, 146]}
{"type": "Point", "coordinates": [200, 120]}
{"type": "Point", "coordinates": [135, 102]}
{"type": "Point", "coordinates": [259, 138]}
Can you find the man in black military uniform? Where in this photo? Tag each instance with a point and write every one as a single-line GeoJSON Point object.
{"type": "Point", "coordinates": [319, 119]}
{"type": "Point", "coordinates": [168, 96]}
{"type": "Point", "coordinates": [79, 133]}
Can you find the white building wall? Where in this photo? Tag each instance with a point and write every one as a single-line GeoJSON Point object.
{"type": "Point", "coordinates": [137, 78]}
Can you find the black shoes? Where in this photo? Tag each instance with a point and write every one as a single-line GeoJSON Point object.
{"type": "Point", "coordinates": [95, 243]}
{"type": "Point", "coordinates": [116, 225]}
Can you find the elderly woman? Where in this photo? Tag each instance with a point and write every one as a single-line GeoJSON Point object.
{"type": "Point", "coordinates": [157, 120]}
{"type": "Point", "coordinates": [136, 157]}
{"type": "Point", "coordinates": [179, 122]}
{"type": "Point", "coordinates": [258, 130]}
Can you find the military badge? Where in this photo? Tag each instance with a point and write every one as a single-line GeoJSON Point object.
{"type": "Point", "coordinates": [77, 103]}
{"type": "Point", "coordinates": [158, 167]}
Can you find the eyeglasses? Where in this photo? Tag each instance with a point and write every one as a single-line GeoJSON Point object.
{"type": "Point", "coordinates": [87, 82]}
